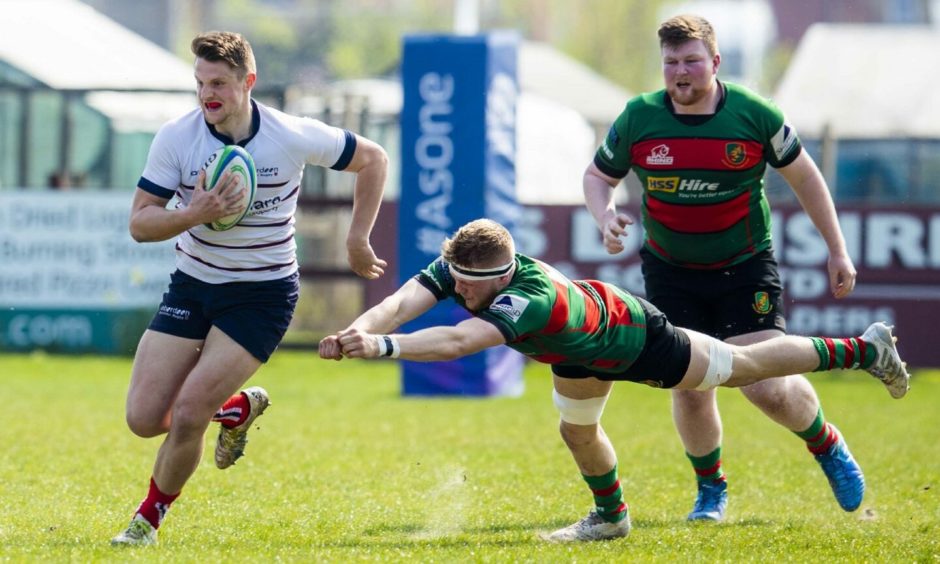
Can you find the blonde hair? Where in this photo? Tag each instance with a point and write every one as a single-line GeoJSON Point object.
{"type": "Point", "coordinates": [226, 46]}
{"type": "Point", "coordinates": [677, 30]}
{"type": "Point", "coordinates": [480, 243]}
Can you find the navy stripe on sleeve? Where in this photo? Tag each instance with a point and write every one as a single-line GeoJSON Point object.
{"type": "Point", "coordinates": [609, 170]}
{"type": "Point", "coordinates": [155, 189]}
{"type": "Point", "coordinates": [343, 161]}
{"type": "Point", "coordinates": [428, 283]}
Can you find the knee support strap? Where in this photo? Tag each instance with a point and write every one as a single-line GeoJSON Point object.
{"type": "Point", "coordinates": [719, 365]}
{"type": "Point", "coordinates": [579, 412]}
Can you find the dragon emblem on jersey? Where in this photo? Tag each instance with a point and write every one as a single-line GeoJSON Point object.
{"type": "Point", "coordinates": [761, 303]}
{"type": "Point", "coordinates": [735, 155]}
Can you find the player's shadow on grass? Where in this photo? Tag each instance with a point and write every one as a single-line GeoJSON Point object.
{"type": "Point", "coordinates": [679, 521]}
{"type": "Point", "coordinates": [416, 534]}
{"type": "Point", "coordinates": [641, 524]}
{"type": "Point", "coordinates": [418, 529]}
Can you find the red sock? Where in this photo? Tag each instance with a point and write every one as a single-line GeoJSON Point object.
{"type": "Point", "coordinates": [234, 411]}
{"type": "Point", "coordinates": [154, 507]}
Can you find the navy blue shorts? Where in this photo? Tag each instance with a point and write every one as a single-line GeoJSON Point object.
{"type": "Point", "coordinates": [725, 302]}
{"type": "Point", "coordinates": [254, 314]}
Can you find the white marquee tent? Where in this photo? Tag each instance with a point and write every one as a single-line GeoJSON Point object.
{"type": "Point", "coordinates": [863, 82]}
{"type": "Point", "coordinates": [65, 44]}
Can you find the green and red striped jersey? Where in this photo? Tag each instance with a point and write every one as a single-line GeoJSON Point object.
{"type": "Point", "coordinates": [704, 204]}
{"type": "Point", "coordinates": [554, 320]}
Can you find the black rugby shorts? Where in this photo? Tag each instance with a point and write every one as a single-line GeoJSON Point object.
{"type": "Point", "coordinates": [725, 302]}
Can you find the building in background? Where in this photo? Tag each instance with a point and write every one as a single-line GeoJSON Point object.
{"type": "Point", "coordinates": [80, 96]}
{"type": "Point", "coordinates": [866, 108]}
{"type": "Point", "coordinates": [794, 17]}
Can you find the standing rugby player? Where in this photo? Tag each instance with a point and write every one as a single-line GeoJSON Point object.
{"type": "Point", "coordinates": [233, 292]}
{"type": "Point", "coordinates": [700, 148]}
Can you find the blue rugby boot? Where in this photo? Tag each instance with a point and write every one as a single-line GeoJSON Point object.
{"type": "Point", "coordinates": [844, 474]}
{"type": "Point", "coordinates": [711, 501]}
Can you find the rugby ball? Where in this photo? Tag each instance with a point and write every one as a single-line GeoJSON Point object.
{"type": "Point", "coordinates": [234, 159]}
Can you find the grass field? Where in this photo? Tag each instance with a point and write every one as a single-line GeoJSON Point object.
{"type": "Point", "coordinates": [342, 468]}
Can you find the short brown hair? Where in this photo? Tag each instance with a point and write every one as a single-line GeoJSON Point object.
{"type": "Point", "coordinates": [226, 46]}
{"type": "Point", "coordinates": [687, 27]}
{"type": "Point", "coordinates": [479, 244]}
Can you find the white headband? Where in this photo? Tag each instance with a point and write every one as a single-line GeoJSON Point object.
{"type": "Point", "coordinates": [471, 274]}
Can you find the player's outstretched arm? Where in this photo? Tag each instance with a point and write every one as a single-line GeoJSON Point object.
{"type": "Point", "coordinates": [370, 163]}
{"type": "Point", "coordinates": [431, 344]}
{"type": "Point", "coordinates": [407, 303]}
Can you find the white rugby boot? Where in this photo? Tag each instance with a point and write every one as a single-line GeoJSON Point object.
{"type": "Point", "coordinates": [230, 445]}
{"type": "Point", "coordinates": [888, 366]}
{"type": "Point", "coordinates": [591, 528]}
{"type": "Point", "coordinates": [139, 533]}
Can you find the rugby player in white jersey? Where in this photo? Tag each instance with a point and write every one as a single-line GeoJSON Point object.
{"type": "Point", "coordinates": [233, 292]}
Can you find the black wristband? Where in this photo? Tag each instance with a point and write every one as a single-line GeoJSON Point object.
{"type": "Point", "coordinates": [388, 345]}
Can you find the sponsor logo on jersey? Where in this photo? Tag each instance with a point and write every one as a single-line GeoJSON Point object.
{"type": "Point", "coordinates": [613, 138]}
{"type": "Point", "coordinates": [659, 155]}
{"type": "Point", "coordinates": [662, 184]}
{"type": "Point", "coordinates": [761, 303]}
{"type": "Point", "coordinates": [510, 305]}
{"type": "Point", "coordinates": [672, 184]}
{"type": "Point", "coordinates": [267, 171]}
{"type": "Point", "coordinates": [735, 155]}
{"type": "Point", "coordinates": [264, 206]}
{"type": "Point", "coordinates": [610, 143]}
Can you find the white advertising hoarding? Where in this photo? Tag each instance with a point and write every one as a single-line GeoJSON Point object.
{"type": "Point", "coordinates": [73, 250]}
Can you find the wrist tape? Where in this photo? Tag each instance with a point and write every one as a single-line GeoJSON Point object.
{"type": "Point", "coordinates": [388, 346]}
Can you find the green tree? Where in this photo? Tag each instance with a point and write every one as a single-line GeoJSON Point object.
{"type": "Point", "coordinates": [368, 34]}
{"type": "Point", "coordinates": [313, 41]}
{"type": "Point", "coordinates": [617, 38]}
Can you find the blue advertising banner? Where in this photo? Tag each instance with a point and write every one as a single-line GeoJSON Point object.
{"type": "Point", "coordinates": [458, 164]}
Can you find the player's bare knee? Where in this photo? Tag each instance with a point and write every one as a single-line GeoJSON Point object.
{"type": "Point", "coordinates": [767, 394]}
{"type": "Point", "coordinates": [695, 401]}
{"type": "Point", "coordinates": [189, 417]}
{"type": "Point", "coordinates": [144, 425]}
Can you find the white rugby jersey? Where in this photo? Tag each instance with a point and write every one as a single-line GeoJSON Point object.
{"type": "Point", "coordinates": [261, 246]}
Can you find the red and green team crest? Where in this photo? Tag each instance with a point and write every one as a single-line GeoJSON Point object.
{"type": "Point", "coordinates": [735, 155]}
{"type": "Point", "coordinates": [761, 303]}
